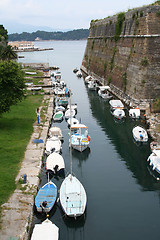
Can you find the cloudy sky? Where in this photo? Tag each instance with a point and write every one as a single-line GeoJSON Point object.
{"type": "Point", "coordinates": [32, 15]}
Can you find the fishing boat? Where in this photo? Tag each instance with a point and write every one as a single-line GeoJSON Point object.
{"type": "Point", "coordinates": [46, 197]}
{"type": "Point", "coordinates": [58, 116]}
{"type": "Point", "coordinates": [134, 113]}
{"type": "Point", "coordinates": [72, 121]}
{"type": "Point", "coordinates": [53, 144]}
{"type": "Point", "coordinates": [118, 113]}
{"type": "Point", "coordinates": [62, 101]}
{"type": "Point", "coordinates": [70, 113]}
{"type": "Point", "coordinates": [140, 134]}
{"type": "Point", "coordinates": [103, 92]}
{"type": "Point", "coordinates": [56, 131]}
{"type": "Point", "coordinates": [45, 230]}
{"type": "Point", "coordinates": [75, 70]}
{"type": "Point", "coordinates": [72, 197]}
{"type": "Point", "coordinates": [55, 163]}
{"type": "Point", "coordinates": [154, 162]}
{"type": "Point", "coordinates": [79, 137]}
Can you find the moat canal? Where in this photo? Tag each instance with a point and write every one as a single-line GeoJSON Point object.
{"type": "Point", "coordinates": [123, 198]}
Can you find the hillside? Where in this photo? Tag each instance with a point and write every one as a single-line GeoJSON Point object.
{"type": "Point", "coordinates": [43, 35]}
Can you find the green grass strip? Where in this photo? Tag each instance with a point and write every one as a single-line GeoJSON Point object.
{"type": "Point", "coordinates": [16, 128]}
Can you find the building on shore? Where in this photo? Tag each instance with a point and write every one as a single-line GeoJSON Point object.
{"type": "Point", "coordinates": [22, 45]}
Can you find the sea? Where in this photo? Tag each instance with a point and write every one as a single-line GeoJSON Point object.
{"type": "Point", "coordinates": [123, 197]}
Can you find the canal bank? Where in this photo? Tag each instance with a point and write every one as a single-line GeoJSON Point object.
{"type": "Point", "coordinates": [17, 212]}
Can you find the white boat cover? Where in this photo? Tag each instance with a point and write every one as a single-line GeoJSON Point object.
{"type": "Point", "coordinates": [134, 112]}
{"type": "Point", "coordinates": [70, 113]}
{"type": "Point", "coordinates": [154, 159]}
{"type": "Point", "coordinates": [46, 230]}
{"type": "Point", "coordinates": [73, 197]}
{"type": "Point", "coordinates": [119, 113]}
{"type": "Point", "coordinates": [102, 88]}
{"type": "Point", "coordinates": [140, 134]}
{"type": "Point", "coordinates": [53, 144]}
{"type": "Point", "coordinates": [72, 121]}
{"type": "Point", "coordinates": [55, 131]}
{"type": "Point", "coordinates": [116, 104]}
{"type": "Point", "coordinates": [55, 159]}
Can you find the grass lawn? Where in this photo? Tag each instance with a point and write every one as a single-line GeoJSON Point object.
{"type": "Point", "coordinates": [16, 128]}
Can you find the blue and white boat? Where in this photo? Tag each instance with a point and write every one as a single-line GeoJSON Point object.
{"type": "Point", "coordinates": [79, 137]}
{"type": "Point", "coordinates": [46, 197]}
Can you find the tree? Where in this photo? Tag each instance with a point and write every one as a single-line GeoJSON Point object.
{"type": "Point", "coordinates": [12, 86]}
{"type": "Point", "coordinates": [6, 53]}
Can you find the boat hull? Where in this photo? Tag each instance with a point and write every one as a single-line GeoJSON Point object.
{"type": "Point", "coordinates": [73, 197]}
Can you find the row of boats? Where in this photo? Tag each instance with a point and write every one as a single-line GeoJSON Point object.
{"type": "Point", "coordinates": [139, 133]}
{"type": "Point", "coordinates": [72, 194]}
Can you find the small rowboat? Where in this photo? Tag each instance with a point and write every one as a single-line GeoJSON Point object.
{"type": "Point", "coordinates": [58, 116]}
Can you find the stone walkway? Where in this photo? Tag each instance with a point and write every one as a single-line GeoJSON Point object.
{"type": "Point", "coordinates": [17, 212]}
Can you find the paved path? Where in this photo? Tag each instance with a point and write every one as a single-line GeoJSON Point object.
{"type": "Point", "coordinates": [17, 212]}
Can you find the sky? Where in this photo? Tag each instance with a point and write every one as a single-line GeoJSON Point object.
{"type": "Point", "coordinates": [31, 15]}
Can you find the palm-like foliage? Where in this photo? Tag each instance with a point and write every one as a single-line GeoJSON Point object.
{"type": "Point", "coordinates": [6, 53]}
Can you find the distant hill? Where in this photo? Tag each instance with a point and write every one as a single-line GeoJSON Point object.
{"type": "Point", "coordinates": [43, 35]}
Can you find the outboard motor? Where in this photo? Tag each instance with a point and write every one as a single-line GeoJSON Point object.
{"type": "Point", "coordinates": [56, 169]}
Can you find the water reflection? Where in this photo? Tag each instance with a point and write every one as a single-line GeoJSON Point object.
{"type": "Point", "coordinates": [120, 134]}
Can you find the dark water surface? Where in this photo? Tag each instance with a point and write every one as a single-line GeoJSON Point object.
{"type": "Point", "coordinates": [123, 198]}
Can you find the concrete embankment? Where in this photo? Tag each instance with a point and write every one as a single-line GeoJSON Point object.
{"type": "Point", "coordinates": [17, 212]}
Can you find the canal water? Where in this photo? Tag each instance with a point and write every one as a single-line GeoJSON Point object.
{"type": "Point", "coordinates": [123, 198]}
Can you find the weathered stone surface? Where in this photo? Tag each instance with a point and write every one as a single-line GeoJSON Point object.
{"type": "Point", "coordinates": [132, 63]}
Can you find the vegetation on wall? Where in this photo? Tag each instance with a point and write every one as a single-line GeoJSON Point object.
{"type": "Point", "coordinates": [119, 25]}
{"type": "Point", "coordinates": [144, 61]}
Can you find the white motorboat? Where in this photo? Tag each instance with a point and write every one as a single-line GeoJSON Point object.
{"type": "Point", "coordinates": [79, 137]}
{"type": "Point", "coordinates": [72, 121]}
{"type": "Point", "coordinates": [79, 74]}
{"type": "Point", "coordinates": [45, 230]}
{"type": "Point", "coordinates": [73, 197]}
{"type": "Point", "coordinates": [140, 134]}
{"type": "Point", "coordinates": [88, 79]}
{"type": "Point", "coordinates": [154, 162]}
{"type": "Point", "coordinates": [103, 92]}
{"type": "Point", "coordinates": [73, 106]}
{"type": "Point", "coordinates": [134, 113]}
{"type": "Point", "coordinates": [118, 113]}
{"type": "Point", "coordinates": [116, 104]}
{"type": "Point", "coordinates": [53, 144]}
{"type": "Point", "coordinates": [56, 131]}
{"type": "Point", "coordinates": [92, 85]}
{"type": "Point", "coordinates": [70, 113]}
{"type": "Point", "coordinates": [55, 163]}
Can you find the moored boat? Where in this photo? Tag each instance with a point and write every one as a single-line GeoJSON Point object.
{"type": "Point", "coordinates": [46, 197]}
{"type": "Point", "coordinates": [140, 134]}
{"type": "Point", "coordinates": [118, 113]}
{"type": "Point", "coordinates": [154, 162]}
{"type": "Point", "coordinates": [58, 116]}
{"type": "Point", "coordinates": [103, 92]}
{"type": "Point", "coordinates": [70, 113]}
{"type": "Point", "coordinates": [45, 230]}
{"type": "Point", "coordinates": [55, 163]}
{"type": "Point", "coordinates": [134, 113]}
{"type": "Point", "coordinates": [53, 144]}
{"type": "Point", "coordinates": [55, 131]}
{"type": "Point", "coordinates": [79, 137]}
